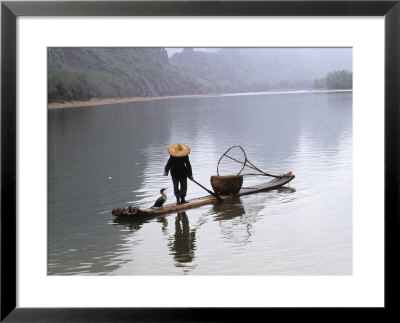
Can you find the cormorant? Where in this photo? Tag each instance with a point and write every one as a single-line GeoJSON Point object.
{"type": "Point", "coordinates": [161, 200]}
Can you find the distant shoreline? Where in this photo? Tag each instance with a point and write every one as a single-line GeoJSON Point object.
{"type": "Point", "coordinates": [98, 102]}
{"type": "Point", "coordinates": [94, 102]}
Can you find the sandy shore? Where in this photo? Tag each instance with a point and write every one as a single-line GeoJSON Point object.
{"type": "Point", "coordinates": [93, 102]}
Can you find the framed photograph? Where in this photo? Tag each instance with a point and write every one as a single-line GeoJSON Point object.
{"type": "Point", "coordinates": [190, 160]}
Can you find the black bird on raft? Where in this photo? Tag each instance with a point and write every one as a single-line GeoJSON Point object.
{"type": "Point", "coordinates": [161, 200]}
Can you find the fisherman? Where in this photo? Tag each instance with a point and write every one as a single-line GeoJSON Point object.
{"type": "Point", "coordinates": [180, 167]}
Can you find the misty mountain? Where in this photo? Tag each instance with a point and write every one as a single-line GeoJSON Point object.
{"type": "Point", "coordinates": [260, 69]}
{"type": "Point", "coordinates": [84, 73]}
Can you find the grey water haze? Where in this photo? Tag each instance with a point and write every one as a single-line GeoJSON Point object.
{"type": "Point", "coordinates": [104, 157]}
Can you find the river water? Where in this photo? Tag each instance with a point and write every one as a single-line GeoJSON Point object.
{"type": "Point", "coordinates": [110, 156]}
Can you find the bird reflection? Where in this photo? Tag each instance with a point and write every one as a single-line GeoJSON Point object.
{"type": "Point", "coordinates": [164, 224]}
{"type": "Point", "coordinates": [183, 243]}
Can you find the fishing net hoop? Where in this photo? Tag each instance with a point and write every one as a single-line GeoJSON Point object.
{"type": "Point", "coordinates": [225, 155]}
{"type": "Point", "coordinates": [246, 163]}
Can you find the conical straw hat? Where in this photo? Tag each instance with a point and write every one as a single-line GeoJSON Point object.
{"type": "Point", "coordinates": [178, 150]}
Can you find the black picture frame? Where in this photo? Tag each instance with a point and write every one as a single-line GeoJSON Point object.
{"type": "Point", "coordinates": [10, 10]}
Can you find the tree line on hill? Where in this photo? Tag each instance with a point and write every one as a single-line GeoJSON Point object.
{"type": "Point", "coordinates": [337, 80]}
{"type": "Point", "coordinates": [85, 73]}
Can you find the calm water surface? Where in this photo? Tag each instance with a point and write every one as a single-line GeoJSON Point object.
{"type": "Point", "coordinates": [113, 156]}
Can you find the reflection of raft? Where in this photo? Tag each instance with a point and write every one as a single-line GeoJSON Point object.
{"type": "Point", "coordinates": [131, 212]}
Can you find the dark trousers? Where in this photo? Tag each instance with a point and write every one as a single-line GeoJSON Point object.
{"type": "Point", "coordinates": [180, 192]}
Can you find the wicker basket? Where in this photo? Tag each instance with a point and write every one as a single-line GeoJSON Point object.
{"type": "Point", "coordinates": [226, 185]}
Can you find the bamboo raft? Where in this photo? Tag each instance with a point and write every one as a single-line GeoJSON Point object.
{"type": "Point", "coordinates": [133, 212]}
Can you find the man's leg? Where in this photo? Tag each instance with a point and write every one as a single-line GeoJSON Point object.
{"type": "Point", "coordinates": [175, 181]}
{"type": "Point", "coordinates": [183, 189]}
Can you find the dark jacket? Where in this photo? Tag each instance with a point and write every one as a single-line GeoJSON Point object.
{"type": "Point", "coordinates": [179, 166]}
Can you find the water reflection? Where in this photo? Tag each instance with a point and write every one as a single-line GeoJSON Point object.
{"type": "Point", "coordinates": [164, 224]}
{"type": "Point", "coordinates": [286, 190]}
{"type": "Point", "coordinates": [134, 223]}
{"type": "Point", "coordinates": [228, 209]}
{"type": "Point", "coordinates": [235, 218]}
{"type": "Point", "coordinates": [95, 166]}
{"type": "Point", "coordinates": [238, 215]}
{"type": "Point", "coordinates": [131, 223]}
{"type": "Point", "coordinates": [235, 224]}
{"type": "Point", "coordinates": [183, 243]}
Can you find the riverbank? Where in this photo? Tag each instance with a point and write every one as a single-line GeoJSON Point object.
{"type": "Point", "coordinates": [94, 102]}
{"type": "Point", "coordinates": [98, 102]}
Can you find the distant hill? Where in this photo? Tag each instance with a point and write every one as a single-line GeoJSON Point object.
{"type": "Point", "coordinates": [337, 80]}
{"type": "Point", "coordinates": [260, 69]}
{"type": "Point", "coordinates": [218, 72]}
{"type": "Point", "coordinates": [84, 73]}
